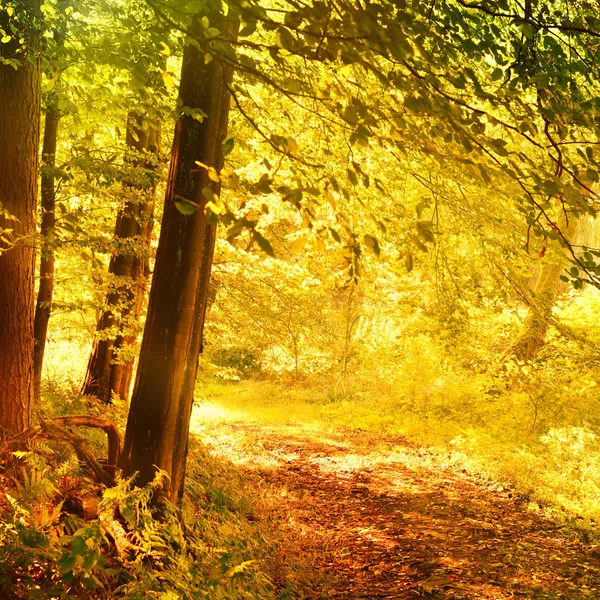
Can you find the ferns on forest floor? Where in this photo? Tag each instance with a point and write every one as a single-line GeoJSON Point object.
{"type": "Point", "coordinates": [226, 542]}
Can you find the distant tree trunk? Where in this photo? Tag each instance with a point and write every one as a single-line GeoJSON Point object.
{"type": "Point", "coordinates": [129, 269]}
{"type": "Point", "coordinates": [43, 305]}
{"type": "Point", "coordinates": [19, 146]}
{"type": "Point", "coordinates": [159, 416]}
{"type": "Point", "coordinates": [532, 335]}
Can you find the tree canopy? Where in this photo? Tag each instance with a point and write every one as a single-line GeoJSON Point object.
{"type": "Point", "coordinates": [379, 216]}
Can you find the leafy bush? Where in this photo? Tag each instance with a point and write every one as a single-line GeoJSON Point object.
{"type": "Point", "coordinates": [241, 362]}
{"type": "Point", "coordinates": [225, 543]}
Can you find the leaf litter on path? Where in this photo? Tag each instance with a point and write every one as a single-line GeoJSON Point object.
{"type": "Point", "coordinates": [392, 520]}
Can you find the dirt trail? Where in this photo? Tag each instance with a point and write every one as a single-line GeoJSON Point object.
{"type": "Point", "coordinates": [396, 522]}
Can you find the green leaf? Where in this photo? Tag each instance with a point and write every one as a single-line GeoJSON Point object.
{"type": "Point", "coordinates": [284, 39]}
{"type": "Point", "coordinates": [293, 19]}
{"type": "Point", "coordinates": [551, 187]}
{"type": "Point", "coordinates": [351, 115]}
{"type": "Point", "coordinates": [372, 244]}
{"type": "Point", "coordinates": [212, 32]}
{"type": "Point", "coordinates": [264, 243]}
{"type": "Point", "coordinates": [247, 29]}
{"type": "Point", "coordinates": [424, 229]}
{"type": "Point", "coordinates": [194, 6]}
{"type": "Point", "coordinates": [185, 206]}
{"type": "Point", "coordinates": [78, 547]}
{"type": "Point", "coordinates": [210, 195]}
{"type": "Point", "coordinates": [497, 74]}
{"type": "Point", "coordinates": [66, 564]}
{"type": "Point", "coordinates": [499, 147]}
{"type": "Point", "coordinates": [408, 260]}
{"type": "Point", "coordinates": [421, 206]}
{"type": "Point", "coordinates": [264, 184]}
{"type": "Point", "coordinates": [228, 146]}
{"type": "Point", "coordinates": [413, 104]}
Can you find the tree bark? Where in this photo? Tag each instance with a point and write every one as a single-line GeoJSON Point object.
{"type": "Point", "coordinates": [107, 372]}
{"type": "Point", "coordinates": [43, 305]}
{"type": "Point", "coordinates": [19, 145]}
{"type": "Point", "coordinates": [159, 416]}
{"type": "Point", "coordinates": [532, 335]}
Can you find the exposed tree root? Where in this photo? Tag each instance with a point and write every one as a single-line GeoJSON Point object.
{"type": "Point", "coordinates": [56, 429]}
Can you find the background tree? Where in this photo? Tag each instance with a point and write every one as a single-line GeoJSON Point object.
{"type": "Point", "coordinates": [43, 306]}
{"type": "Point", "coordinates": [110, 366]}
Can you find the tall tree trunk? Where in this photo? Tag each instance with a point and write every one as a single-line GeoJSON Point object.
{"type": "Point", "coordinates": [159, 416]}
{"type": "Point", "coordinates": [532, 335]}
{"type": "Point", "coordinates": [43, 305]}
{"type": "Point", "coordinates": [19, 146]}
{"type": "Point", "coordinates": [129, 270]}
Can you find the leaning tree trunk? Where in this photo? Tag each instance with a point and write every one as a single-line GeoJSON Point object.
{"type": "Point", "coordinates": [532, 335]}
{"type": "Point", "coordinates": [159, 416]}
{"type": "Point", "coordinates": [19, 146]}
{"type": "Point", "coordinates": [109, 368]}
{"type": "Point", "coordinates": [43, 305]}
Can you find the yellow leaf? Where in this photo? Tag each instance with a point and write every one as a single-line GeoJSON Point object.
{"type": "Point", "coordinates": [168, 79]}
{"type": "Point", "coordinates": [331, 199]}
{"type": "Point", "coordinates": [214, 208]}
{"type": "Point", "coordinates": [211, 172]}
{"type": "Point", "coordinates": [298, 245]}
{"type": "Point", "coordinates": [165, 49]}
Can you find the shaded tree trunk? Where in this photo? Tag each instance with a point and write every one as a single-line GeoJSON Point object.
{"type": "Point", "coordinates": [19, 146]}
{"type": "Point", "coordinates": [532, 335]}
{"type": "Point", "coordinates": [43, 305]}
{"type": "Point", "coordinates": [159, 416]}
{"type": "Point", "coordinates": [109, 368]}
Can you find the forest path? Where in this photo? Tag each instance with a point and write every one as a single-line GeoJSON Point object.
{"type": "Point", "coordinates": [392, 520]}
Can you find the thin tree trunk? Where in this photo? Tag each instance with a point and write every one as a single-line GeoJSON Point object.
{"type": "Point", "coordinates": [129, 268]}
{"type": "Point", "coordinates": [121, 369]}
{"type": "Point", "coordinates": [19, 145]}
{"type": "Point", "coordinates": [43, 305]}
{"type": "Point", "coordinates": [532, 335]}
{"type": "Point", "coordinates": [159, 416]}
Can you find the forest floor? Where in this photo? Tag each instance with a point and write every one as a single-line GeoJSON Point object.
{"type": "Point", "coordinates": [383, 518]}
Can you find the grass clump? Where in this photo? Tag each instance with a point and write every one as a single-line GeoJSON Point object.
{"type": "Point", "coordinates": [530, 426]}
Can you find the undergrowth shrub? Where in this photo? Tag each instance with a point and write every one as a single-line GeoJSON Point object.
{"type": "Point", "coordinates": [225, 542]}
{"type": "Point", "coordinates": [534, 425]}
